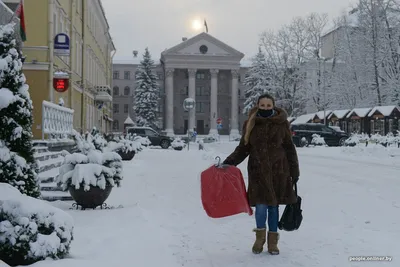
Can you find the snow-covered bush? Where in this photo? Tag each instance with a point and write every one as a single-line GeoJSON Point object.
{"type": "Point", "coordinates": [353, 140]}
{"type": "Point", "coordinates": [90, 167]}
{"type": "Point", "coordinates": [178, 144]}
{"type": "Point", "coordinates": [317, 140]}
{"type": "Point", "coordinates": [18, 168]}
{"type": "Point", "coordinates": [31, 229]}
{"type": "Point", "coordinates": [94, 169]}
{"type": "Point", "coordinates": [145, 141]}
{"type": "Point", "coordinates": [98, 139]}
{"type": "Point", "coordinates": [123, 145]}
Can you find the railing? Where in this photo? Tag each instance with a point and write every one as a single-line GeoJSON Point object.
{"type": "Point", "coordinates": [57, 121]}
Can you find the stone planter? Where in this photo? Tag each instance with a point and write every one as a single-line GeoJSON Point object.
{"type": "Point", "coordinates": [179, 148]}
{"type": "Point", "coordinates": [91, 199]}
{"type": "Point", "coordinates": [126, 155]}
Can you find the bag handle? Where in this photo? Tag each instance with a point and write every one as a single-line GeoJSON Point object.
{"type": "Point", "coordinates": [295, 189]}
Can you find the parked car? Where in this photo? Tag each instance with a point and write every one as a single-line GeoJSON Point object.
{"type": "Point", "coordinates": [155, 138]}
{"type": "Point", "coordinates": [332, 137]}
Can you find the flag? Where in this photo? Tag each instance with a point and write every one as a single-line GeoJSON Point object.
{"type": "Point", "coordinates": [19, 12]}
{"type": "Point", "coordinates": [205, 25]}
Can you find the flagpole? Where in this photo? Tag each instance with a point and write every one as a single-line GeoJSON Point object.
{"type": "Point", "coordinates": [15, 12]}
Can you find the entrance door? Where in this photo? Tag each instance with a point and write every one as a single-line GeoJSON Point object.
{"type": "Point", "coordinates": [200, 127]}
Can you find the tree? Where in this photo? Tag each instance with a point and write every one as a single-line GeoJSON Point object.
{"type": "Point", "coordinates": [256, 81]}
{"type": "Point", "coordinates": [146, 93]}
{"type": "Point", "coordinates": [17, 164]}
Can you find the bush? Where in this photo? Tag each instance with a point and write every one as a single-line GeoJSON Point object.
{"type": "Point", "coordinates": [30, 229]}
{"type": "Point", "coordinates": [178, 143]}
{"type": "Point", "coordinates": [123, 145]}
{"type": "Point", "coordinates": [317, 140]}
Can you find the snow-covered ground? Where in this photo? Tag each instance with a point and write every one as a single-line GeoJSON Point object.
{"type": "Point", "coordinates": [351, 207]}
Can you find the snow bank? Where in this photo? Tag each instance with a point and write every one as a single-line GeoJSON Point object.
{"type": "Point", "coordinates": [30, 229]}
{"type": "Point", "coordinates": [177, 143]}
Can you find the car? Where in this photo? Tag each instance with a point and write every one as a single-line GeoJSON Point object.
{"type": "Point", "coordinates": [305, 131]}
{"type": "Point", "coordinates": [155, 138]}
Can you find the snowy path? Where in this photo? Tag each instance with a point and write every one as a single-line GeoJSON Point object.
{"type": "Point", "coordinates": [350, 209]}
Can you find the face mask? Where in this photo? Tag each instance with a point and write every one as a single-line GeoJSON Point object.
{"type": "Point", "coordinates": [265, 112]}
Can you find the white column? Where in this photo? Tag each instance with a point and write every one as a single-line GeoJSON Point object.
{"type": "Point", "coordinates": [235, 104]}
{"type": "Point", "coordinates": [192, 94]}
{"type": "Point", "coordinates": [214, 102]}
{"type": "Point", "coordinates": [169, 103]}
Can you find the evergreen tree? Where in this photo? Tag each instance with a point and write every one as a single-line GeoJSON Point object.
{"type": "Point", "coordinates": [17, 164]}
{"type": "Point", "coordinates": [146, 93]}
{"type": "Point", "coordinates": [257, 81]}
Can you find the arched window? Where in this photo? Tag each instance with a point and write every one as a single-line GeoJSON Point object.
{"type": "Point", "coordinates": [127, 90]}
{"type": "Point", "coordinates": [115, 125]}
{"type": "Point", "coordinates": [116, 90]}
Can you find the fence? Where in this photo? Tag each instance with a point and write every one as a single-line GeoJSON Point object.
{"type": "Point", "coordinates": [57, 121]}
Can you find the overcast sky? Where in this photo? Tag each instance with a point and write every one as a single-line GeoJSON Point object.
{"type": "Point", "coordinates": [161, 24]}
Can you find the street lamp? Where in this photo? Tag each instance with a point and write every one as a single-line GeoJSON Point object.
{"type": "Point", "coordinates": [188, 105]}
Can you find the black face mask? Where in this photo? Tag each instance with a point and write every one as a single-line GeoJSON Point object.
{"type": "Point", "coordinates": [265, 113]}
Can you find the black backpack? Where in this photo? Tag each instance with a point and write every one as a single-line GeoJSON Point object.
{"type": "Point", "coordinates": [292, 215]}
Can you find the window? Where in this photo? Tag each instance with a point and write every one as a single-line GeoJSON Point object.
{"type": "Point", "coordinates": [127, 75]}
{"type": "Point", "coordinates": [200, 90]}
{"type": "Point", "coordinates": [127, 90]}
{"type": "Point", "coordinates": [115, 75]}
{"type": "Point", "coordinates": [115, 125]}
{"type": "Point", "coordinates": [160, 76]}
{"type": "Point", "coordinates": [200, 107]}
{"type": "Point", "coordinates": [116, 108]}
{"type": "Point", "coordinates": [200, 76]}
{"type": "Point", "coordinates": [126, 108]}
{"type": "Point", "coordinates": [150, 132]}
{"type": "Point", "coordinates": [115, 90]}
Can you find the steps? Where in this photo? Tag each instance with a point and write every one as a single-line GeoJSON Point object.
{"type": "Point", "coordinates": [49, 164]}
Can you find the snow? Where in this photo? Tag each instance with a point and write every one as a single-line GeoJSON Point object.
{"type": "Point", "coordinates": [350, 206]}
{"type": "Point", "coordinates": [6, 98]}
{"type": "Point", "coordinates": [339, 113]}
{"type": "Point", "coordinates": [384, 110]}
{"type": "Point", "coordinates": [304, 118]}
{"type": "Point", "coordinates": [128, 120]}
{"type": "Point", "coordinates": [26, 217]}
{"type": "Point", "coordinates": [178, 142]}
{"type": "Point", "coordinates": [360, 112]}
{"type": "Point", "coordinates": [320, 114]}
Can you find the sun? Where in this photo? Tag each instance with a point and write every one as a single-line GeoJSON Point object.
{"type": "Point", "coordinates": [196, 24]}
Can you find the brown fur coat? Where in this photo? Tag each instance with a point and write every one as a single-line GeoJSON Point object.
{"type": "Point", "coordinates": [272, 160]}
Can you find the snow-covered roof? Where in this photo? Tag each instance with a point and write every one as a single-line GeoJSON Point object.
{"type": "Point", "coordinates": [304, 118]}
{"type": "Point", "coordinates": [245, 63]}
{"type": "Point", "coordinates": [384, 110]}
{"type": "Point", "coordinates": [340, 114]}
{"type": "Point", "coordinates": [128, 121]}
{"type": "Point", "coordinates": [320, 114]}
{"type": "Point", "coordinates": [360, 112]}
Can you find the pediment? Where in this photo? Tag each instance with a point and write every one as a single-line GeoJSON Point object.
{"type": "Point", "coordinates": [213, 46]}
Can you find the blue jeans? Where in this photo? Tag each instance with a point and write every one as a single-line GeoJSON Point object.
{"type": "Point", "coordinates": [261, 213]}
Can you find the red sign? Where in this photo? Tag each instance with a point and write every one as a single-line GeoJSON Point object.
{"type": "Point", "coordinates": [60, 84]}
{"type": "Point", "coordinates": [219, 121]}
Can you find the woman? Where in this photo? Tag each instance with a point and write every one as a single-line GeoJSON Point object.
{"type": "Point", "coordinates": [272, 167]}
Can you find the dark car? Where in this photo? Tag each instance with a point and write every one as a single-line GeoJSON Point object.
{"type": "Point", "coordinates": [155, 138]}
{"type": "Point", "coordinates": [331, 136]}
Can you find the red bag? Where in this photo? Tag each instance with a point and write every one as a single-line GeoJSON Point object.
{"type": "Point", "coordinates": [223, 192]}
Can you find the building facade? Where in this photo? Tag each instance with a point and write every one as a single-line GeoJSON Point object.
{"type": "Point", "coordinates": [89, 64]}
{"type": "Point", "coordinates": [202, 68]}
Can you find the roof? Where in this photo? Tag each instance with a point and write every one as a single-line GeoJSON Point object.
{"type": "Point", "coordinates": [340, 114]}
{"type": "Point", "coordinates": [128, 120]}
{"type": "Point", "coordinates": [360, 112]}
{"type": "Point", "coordinates": [320, 114]}
{"type": "Point", "coordinates": [304, 118]}
{"type": "Point", "coordinates": [384, 110]}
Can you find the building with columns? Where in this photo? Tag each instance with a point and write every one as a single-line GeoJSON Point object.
{"type": "Point", "coordinates": [203, 68]}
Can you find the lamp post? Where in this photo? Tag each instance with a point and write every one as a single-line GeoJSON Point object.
{"type": "Point", "coordinates": [188, 105]}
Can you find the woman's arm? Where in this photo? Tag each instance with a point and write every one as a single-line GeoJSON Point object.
{"type": "Point", "coordinates": [291, 153]}
{"type": "Point", "coordinates": [241, 152]}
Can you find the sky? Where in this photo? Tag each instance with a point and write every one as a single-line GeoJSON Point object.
{"type": "Point", "coordinates": [161, 24]}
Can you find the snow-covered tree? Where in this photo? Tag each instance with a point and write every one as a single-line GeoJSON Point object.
{"type": "Point", "coordinates": [147, 92]}
{"type": "Point", "coordinates": [17, 164]}
{"type": "Point", "coordinates": [256, 80]}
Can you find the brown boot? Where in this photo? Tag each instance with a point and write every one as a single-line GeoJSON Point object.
{"type": "Point", "coordinates": [260, 240]}
{"type": "Point", "coordinates": [273, 238]}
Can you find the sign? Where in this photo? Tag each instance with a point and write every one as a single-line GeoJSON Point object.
{"type": "Point", "coordinates": [219, 121]}
{"type": "Point", "coordinates": [61, 45]}
{"type": "Point", "coordinates": [189, 104]}
{"type": "Point", "coordinates": [60, 84]}
{"type": "Point", "coordinates": [219, 126]}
